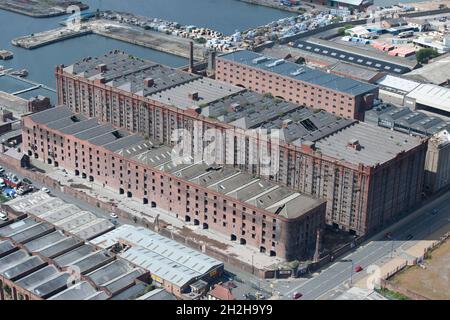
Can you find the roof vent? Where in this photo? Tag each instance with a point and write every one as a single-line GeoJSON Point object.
{"type": "Point", "coordinates": [354, 143]}
{"type": "Point", "coordinates": [235, 107]}
{"type": "Point", "coordinates": [286, 122]}
{"type": "Point", "coordinates": [149, 82]}
{"type": "Point", "coordinates": [259, 60]}
{"type": "Point", "coordinates": [193, 95]}
{"type": "Point", "coordinates": [101, 67]}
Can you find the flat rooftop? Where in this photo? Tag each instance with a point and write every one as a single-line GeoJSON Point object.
{"type": "Point", "coordinates": [300, 72]}
{"type": "Point", "coordinates": [251, 110]}
{"type": "Point", "coordinates": [372, 59]}
{"type": "Point", "coordinates": [370, 138]}
{"type": "Point", "coordinates": [198, 93]}
{"type": "Point", "coordinates": [129, 73]}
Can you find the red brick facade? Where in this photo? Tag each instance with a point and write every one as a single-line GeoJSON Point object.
{"type": "Point", "coordinates": [293, 90]}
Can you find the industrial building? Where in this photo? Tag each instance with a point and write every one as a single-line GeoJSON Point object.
{"type": "Point", "coordinates": [415, 95]}
{"type": "Point", "coordinates": [299, 84]}
{"type": "Point", "coordinates": [354, 55]}
{"type": "Point", "coordinates": [171, 264]}
{"type": "Point", "coordinates": [118, 264]}
{"type": "Point", "coordinates": [403, 119]}
{"type": "Point", "coordinates": [34, 265]}
{"type": "Point", "coordinates": [254, 212]}
{"type": "Point", "coordinates": [437, 72]}
{"type": "Point", "coordinates": [299, 166]}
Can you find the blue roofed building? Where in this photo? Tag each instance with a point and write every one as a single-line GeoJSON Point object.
{"type": "Point", "coordinates": [297, 83]}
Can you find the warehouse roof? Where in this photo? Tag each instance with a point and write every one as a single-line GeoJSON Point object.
{"type": "Point", "coordinates": [79, 291]}
{"type": "Point", "coordinates": [343, 145]}
{"type": "Point", "coordinates": [195, 93]}
{"type": "Point", "coordinates": [68, 217]}
{"type": "Point", "coordinates": [300, 72]}
{"type": "Point", "coordinates": [23, 267]}
{"type": "Point", "coordinates": [354, 71]}
{"type": "Point", "coordinates": [248, 110]}
{"type": "Point", "coordinates": [397, 83]}
{"type": "Point", "coordinates": [436, 72]}
{"type": "Point", "coordinates": [432, 96]}
{"type": "Point", "coordinates": [405, 120]}
{"type": "Point", "coordinates": [351, 55]}
{"type": "Point", "coordinates": [126, 72]}
{"type": "Point", "coordinates": [162, 256]}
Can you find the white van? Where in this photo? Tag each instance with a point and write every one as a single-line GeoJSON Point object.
{"type": "Point", "coordinates": [3, 216]}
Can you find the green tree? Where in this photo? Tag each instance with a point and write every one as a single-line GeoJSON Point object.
{"type": "Point", "coordinates": [343, 30]}
{"type": "Point", "coordinates": [423, 55]}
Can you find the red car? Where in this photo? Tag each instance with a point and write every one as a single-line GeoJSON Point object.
{"type": "Point", "coordinates": [358, 268]}
{"type": "Point", "coordinates": [297, 295]}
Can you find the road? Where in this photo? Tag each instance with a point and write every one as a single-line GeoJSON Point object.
{"type": "Point", "coordinates": [419, 224]}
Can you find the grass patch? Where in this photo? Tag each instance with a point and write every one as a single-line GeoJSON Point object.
{"type": "Point", "coordinates": [3, 198]}
{"type": "Point", "coordinates": [392, 294]}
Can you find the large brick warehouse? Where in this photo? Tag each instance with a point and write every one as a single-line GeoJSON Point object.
{"type": "Point", "coordinates": [277, 220]}
{"type": "Point", "coordinates": [320, 154]}
{"type": "Point", "coordinates": [297, 83]}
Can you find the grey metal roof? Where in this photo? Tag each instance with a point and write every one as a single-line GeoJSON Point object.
{"type": "Point", "coordinates": [109, 272]}
{"type": "Point", "coordinates": [38, 277]}
{"type": "Point", "coordinates": [23, 267]}
{"type": "Point", "coordinates": [52, 286]}
{"type": "Point", "coordinates": [6, 247]}
{"type": "Point", "coordinates": [92, 261]}
{"type": "Point", "coordinates": [17, 226]}
{"type": "Point", "coordinates": [32, 232]}
{"type": "Point", "coordinates": [353, 55]}
{"type": "Point", "coordinates": [370, 138]}
{"type": "Point", "coordinates": [405, 120]}
{"type": "Point", "coordinates": [208, 90]}
{"type": "Point", "coordinates": [123, 281]}
{"type": "Point", "coordinates": [126, 72]}
{"type": "Point", "coordinates": [60, 247]}
{"type": "Point", "coordinates": [78, 291]}
{"type": "Point", "coordinates": [250, 110]}
{"type": "Point", "coordinates": [51, 114]}
{"type": "Point", "coordinates": [74, 255]}
{"type": "Point", "coordinates": [131, 293]}
{"type": "Point", "coordinates": [300, 72]}
{"type": "Point", "coordinates": [13, 259]}
{"type": "Point", "coordinates": [42, 242]}
{"type": "Point", "coordinates": [81, 126]}
{"type": "Point", "coordinates": [162, 256]}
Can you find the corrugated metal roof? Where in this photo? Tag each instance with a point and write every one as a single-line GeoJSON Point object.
{"type": "Point", "coordinates": [299, 72]}
{"type": "Point", "coordinates": [162, 256]}
{"type": "Point", "coordinates": [432, 95]}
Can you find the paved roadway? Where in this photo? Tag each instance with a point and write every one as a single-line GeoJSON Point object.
{"type": "Point", "coordinates": [419, 224]}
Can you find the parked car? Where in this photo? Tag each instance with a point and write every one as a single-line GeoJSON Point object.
{"type": "Point", "coordinates": [27, 181]}
{"type": "Point", "coordinates": [3, 216]}
{"type": "Point", "coordinates": [44, 189]}
{"type": "Point", "coordinates": [358, 268]}
{"type": "Point", "coordinates": [297, 295]}
{"type": "Point", "coordinates": [113, 215]}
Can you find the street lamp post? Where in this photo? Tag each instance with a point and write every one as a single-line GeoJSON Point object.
{"type": "Point", "coordinates": [351, 271]}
